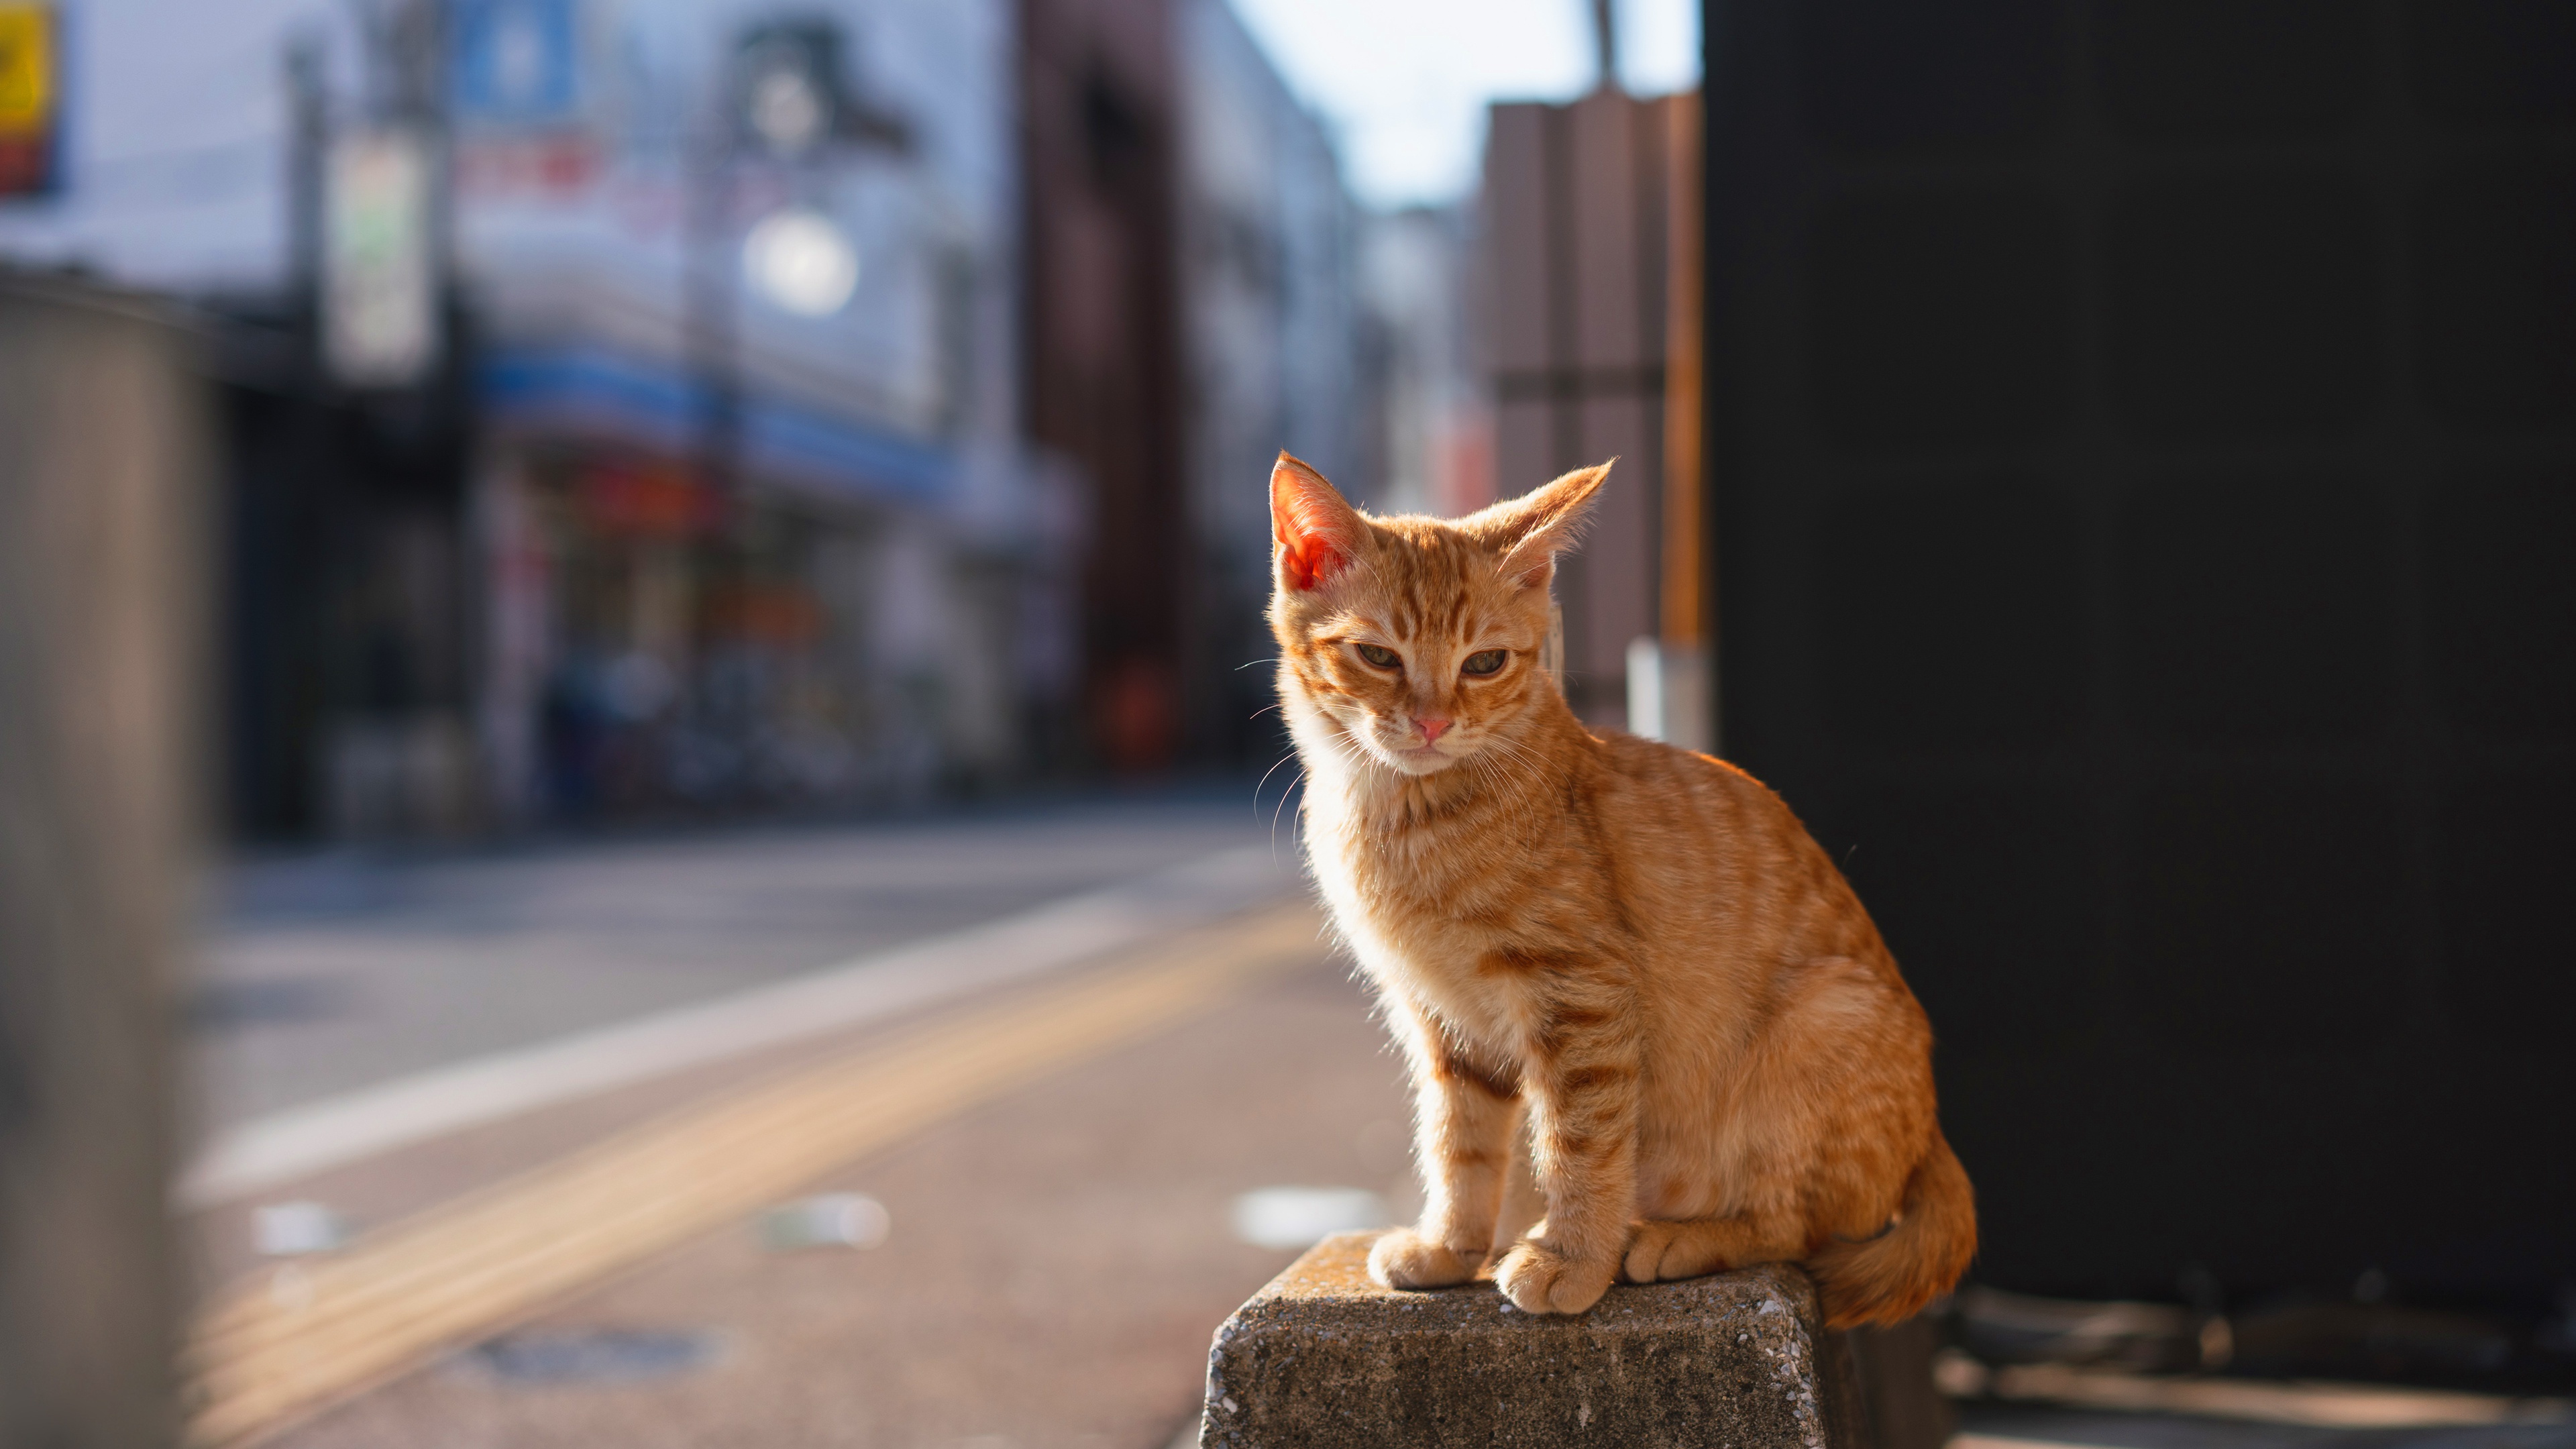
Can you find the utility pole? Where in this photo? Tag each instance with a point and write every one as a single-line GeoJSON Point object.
{"type": "Point", "coordinates": [420, 105]}
{"type": "Point", "coordinates": [306, 528]}
{"type": "Point", "coordinates": [714, 295]}
{"type": "Point", "coordinates": [1605, 42]}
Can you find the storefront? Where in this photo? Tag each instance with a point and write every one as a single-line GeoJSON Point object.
{"type": "Point", "coordinates": [810, 637]}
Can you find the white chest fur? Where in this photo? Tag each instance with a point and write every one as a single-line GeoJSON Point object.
{"type": "Point", "coordinates": [1359, 875]}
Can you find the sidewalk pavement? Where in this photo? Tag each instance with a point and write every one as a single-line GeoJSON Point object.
{"type": "Point", "coordinates": [1056, 1264]}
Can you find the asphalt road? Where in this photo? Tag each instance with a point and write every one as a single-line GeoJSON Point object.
{"type": "Point", "coordinates": [1056, 1264]}
{"type": "Point", "coordinates": [328, 973]}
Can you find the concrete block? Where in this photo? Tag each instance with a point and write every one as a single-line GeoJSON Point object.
{"type": "Point", "coordinates": [1323, 1357]}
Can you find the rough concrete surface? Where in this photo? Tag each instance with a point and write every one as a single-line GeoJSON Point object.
{"type": "Point", "coordinates": [1324, 1357]}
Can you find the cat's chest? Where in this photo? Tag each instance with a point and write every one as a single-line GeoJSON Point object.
{"type": "Point", "coordinates": [1404, 922]}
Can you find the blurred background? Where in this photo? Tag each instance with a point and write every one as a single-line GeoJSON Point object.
{"type": "Point", "coordinates": [634, 714]}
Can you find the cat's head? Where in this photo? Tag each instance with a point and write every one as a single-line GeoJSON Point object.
{"type": "Point", "coordinates": [1419, 637]}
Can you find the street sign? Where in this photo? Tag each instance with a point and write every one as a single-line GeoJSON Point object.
{"type": "Point", "coordinates": [30, 94]}
{"type": "Point", "coordinates": [516, 62]}
{"type": "Point", "coordinates": [379, 263]}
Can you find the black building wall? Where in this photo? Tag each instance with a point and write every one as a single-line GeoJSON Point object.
{"type": "Point", "coordinates": [2143, 452]}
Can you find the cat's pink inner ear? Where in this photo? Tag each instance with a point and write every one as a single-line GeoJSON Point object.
{"type": "Point", "coordinates": [1312, 524]}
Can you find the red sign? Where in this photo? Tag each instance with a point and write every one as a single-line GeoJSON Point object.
{"type": "Point", "coordinates": [558, 164]}
{"type": "Point", "coordinates": [649, 503]}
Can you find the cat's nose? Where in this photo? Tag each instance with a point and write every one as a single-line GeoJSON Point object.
{"type": "Point", "coordinates": [1431, 728]}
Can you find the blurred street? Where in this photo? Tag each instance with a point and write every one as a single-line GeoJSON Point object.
{"type": "Point", "coordinates": [1057, 1255]}
{"type": "Point", "coordinates": [1056, 1263]}
{"type": "Point", "coordinates": [331, 972]}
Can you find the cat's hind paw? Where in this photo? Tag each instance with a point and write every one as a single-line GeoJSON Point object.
{"type": "Point", "coordinates": [1403, 1258]}
{"type": "Point", "coordinates": [1539, 1279]}
{"type": "Point", "coordinates": [1663, 1251]}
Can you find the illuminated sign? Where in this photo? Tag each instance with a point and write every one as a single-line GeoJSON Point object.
{"type": "Point", "coordinates": [30, 92]}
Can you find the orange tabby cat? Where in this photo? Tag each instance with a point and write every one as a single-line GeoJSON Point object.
{"type": "Point", "coordinates": [1638, 949]}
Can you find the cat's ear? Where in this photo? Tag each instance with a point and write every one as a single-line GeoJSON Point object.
{"type": "Point", "coordinates": [1317, 533]}
{"type": "Point", "coordinates": [1531, 530]}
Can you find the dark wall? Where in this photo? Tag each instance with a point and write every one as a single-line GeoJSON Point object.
{"type": "Point", "coordinates": [2143, 441]}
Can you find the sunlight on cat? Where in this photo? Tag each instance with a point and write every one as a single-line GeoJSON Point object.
{"type": "Point", "coordinates": [1652, 1032]}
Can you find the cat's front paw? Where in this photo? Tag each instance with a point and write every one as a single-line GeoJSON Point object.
{"type": "Point", "coordinates": [1539, 1279]}
{"type": "Point", "coordinates": [1403, 1258]}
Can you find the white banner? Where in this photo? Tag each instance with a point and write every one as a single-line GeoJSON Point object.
{"type": "Point", "coordinates": [379, 271]}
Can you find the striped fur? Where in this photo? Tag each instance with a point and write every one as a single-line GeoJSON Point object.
{"type": "Point", "coordinates": [1631, 957]}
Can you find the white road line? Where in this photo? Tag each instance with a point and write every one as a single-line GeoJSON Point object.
{"type": "Point", "coordinates": [300, 1141]}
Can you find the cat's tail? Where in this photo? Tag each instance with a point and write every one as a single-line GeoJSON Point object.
{"type": "Point", "coordinates": [1888, 1278]}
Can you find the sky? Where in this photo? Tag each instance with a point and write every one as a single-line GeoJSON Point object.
{"type": "Point", "coordinates": [1405, 83]}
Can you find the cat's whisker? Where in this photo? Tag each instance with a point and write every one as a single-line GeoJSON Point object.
{"type": "Point", "coordinates": [1522, 751]}
{"type": "Point", "coordinates": [1520, 758]}
{"type": "Point", "coordinates": [1265, 777]}
{"type": "Point", "coordinates": [1283, 805]}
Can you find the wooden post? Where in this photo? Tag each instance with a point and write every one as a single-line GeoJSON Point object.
{"type": "Point", "coordinates": [101, 604]}
{"type": "Point", "coordinates": [1683, 606]}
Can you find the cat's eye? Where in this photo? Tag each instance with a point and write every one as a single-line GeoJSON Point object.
{"type": "Point", "coordinates": [1486, 662]}
{"type": "Point", "coordinates": [1380, 655]}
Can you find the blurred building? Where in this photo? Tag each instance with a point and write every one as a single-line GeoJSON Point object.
{"type": "Point", "coordinates": [1193, 310]}
{"type": "Point", "coordinates": [753, 516]}
{"type": "Point", "coordinates": [697, 479]}
{"type": "Point", "coordinates": [1578, 268]}
{"type": "Point", "coordinates": [653, 406]}
{"type": "Point", "coordinates": [1098, 126]}
{"type": "Point", "coordinates": [1275, 337]}
{"type": "Point", "coordinates": [1431, 429]}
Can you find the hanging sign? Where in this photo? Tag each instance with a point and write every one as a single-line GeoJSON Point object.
{"type": "Point", "coordinates": [379, 263]}
{"type": "Point", "coordinates": [515, 61]}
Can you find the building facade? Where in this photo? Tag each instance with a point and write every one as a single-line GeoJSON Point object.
{"type": "Point", "coordinates": [712, 489]}
{"type": "Point", "coordinates": [1193, 309]}
{"type": "Point", "coordinates": [648, 408]}
{"type": "Point", "coordinates": [1581, 257]}
{"type": "Point", "coordinates": [1280, 351]}
{"type": "Point", "coordinates": [1099, 142]}
{"type": "Point", "coordinates": [754, 518]}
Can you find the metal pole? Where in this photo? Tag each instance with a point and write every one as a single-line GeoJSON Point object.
{"type": "Point", "coordinates": [713, 300]}
{"type": "Point", "coordinates": [1605, 40]}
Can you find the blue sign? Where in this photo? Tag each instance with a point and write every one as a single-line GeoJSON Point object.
{"type": "Point", "coordinates": [516, 60]}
